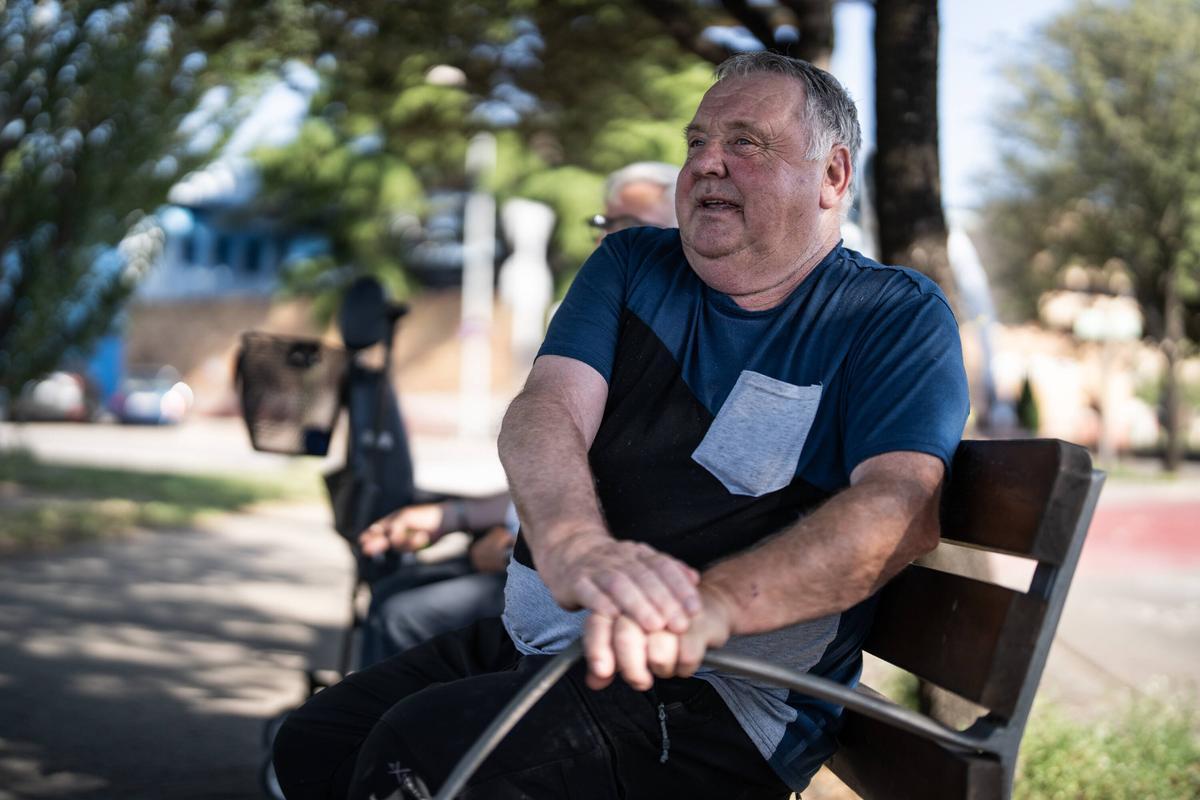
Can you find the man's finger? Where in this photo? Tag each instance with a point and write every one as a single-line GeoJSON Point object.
{"type": "Point", "coordinates": [629, 648]}
{"type": "Point", "coordinates": [691, 654]}
{"type": "Point", "coordinates": [665, 598]}
{"type": "Point", "coordinates": [631, 598]}
{"type": "Point", "coordinates": [597, 649]}
{"type": "Point", "coordinates": [662, 653]}
{"type": "Point", "coordinates": [680, 580]}
{"type": "Point", "coordinates": [589, 595]}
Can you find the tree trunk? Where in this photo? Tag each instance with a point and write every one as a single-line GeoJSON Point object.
{"type": "Point", "coordinates": [908, 202]}
{"type": "Point", "coordinates": [908, 193]}
{"type": "Point", "coordinates": [1172, 341]}
{"type": "Point", "coordinates": [814, 20]}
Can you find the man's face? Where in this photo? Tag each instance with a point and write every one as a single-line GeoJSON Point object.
{"type": "Point", "coordinates": [637, 203]}
{"type": "Point", "coordinates": [748, 200]}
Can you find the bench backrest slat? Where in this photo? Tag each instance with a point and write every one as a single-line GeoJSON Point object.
{"type": "Point", "coordinates": [968, 636]}
{"type": "Point", "coordinates": [1016, 497]}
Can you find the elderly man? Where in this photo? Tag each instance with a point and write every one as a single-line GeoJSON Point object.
{"type": "Point", "coordinates": [637, 195]}
{"type": "Point", "coordinates": [734, 434]}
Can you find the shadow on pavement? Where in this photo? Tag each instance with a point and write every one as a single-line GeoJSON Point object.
{"type": "Point", "coordinates": [145, 669]}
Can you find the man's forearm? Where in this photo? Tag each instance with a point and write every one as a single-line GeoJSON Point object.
{"type": "Point", "coordinates": [544, 455]}
{"type": "Point", "coordinates": [544, 446]}
{"type": "Point", "coordinates": [829, 561]}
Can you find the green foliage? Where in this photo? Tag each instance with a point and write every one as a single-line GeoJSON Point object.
{"type": "Point", "coordinates": [1151, 751]}
{"type": "Point", "coordinates": [91, 98]}
{"type": "Point", "coordinates": [1102, 168]}
{"type": "Point", "coordinates": [362, 176]}
{"type": "Point", "coordinates": [1146, 751]}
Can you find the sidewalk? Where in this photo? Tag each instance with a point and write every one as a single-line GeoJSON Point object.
{"type": "Point", "coordinates": [144, 669]}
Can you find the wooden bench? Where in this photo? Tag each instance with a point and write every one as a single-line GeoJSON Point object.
{"type": "Point", "coordinates": [981, 641]}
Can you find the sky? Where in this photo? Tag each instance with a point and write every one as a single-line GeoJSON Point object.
{"type": "Point", "coordinates": [975, 40]}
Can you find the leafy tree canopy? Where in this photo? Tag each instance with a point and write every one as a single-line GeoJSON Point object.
{"type": "Point", "coordinates": [1103, 168]}
{"type": "Point", "coordinates": [572, 90]}
{"type": "Point", "coordinates": [1101, 165]}
{"type": "Point", "coordinates": [92, 97]}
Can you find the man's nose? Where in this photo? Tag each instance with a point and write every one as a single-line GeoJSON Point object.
{"type": "Point", "coordinates": [707, 159]}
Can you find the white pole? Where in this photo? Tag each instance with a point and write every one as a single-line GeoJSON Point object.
{"type": "Point", "coordinates": [479, 254]}
{"type": "Point", "coordinates": [526, 284]}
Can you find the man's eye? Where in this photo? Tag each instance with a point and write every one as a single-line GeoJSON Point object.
{"type": "Point", "coordinates": [695, 142]}
{"type": "Point", "coordinates": [742, 141]}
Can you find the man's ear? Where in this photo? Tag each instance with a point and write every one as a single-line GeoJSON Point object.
{"type": "Point", "coordinates": [836, 181]}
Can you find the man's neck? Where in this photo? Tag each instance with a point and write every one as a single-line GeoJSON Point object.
{"type": "Point", "coordinates": [768, 298]}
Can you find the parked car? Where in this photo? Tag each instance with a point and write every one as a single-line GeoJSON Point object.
{"type": "Point", "coordinates": [152, 396]}
{"type": "Point", "coordinates": [59, 397]}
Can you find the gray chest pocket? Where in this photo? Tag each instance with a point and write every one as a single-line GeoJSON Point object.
{"type": "Point", "coordinates": [754, 444]}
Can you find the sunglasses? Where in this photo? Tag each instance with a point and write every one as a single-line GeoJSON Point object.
{"type": "Point", "coordinates": [613, 224]}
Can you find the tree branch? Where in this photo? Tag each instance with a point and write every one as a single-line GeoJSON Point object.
{"type": "Point", "coordinates": [814, 20]}
{"type": "Point", "coordinates": [679, 23]}
{"type": "Point", "coordinates": [757, 22]}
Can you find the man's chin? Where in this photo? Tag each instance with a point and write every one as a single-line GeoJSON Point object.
{"type": "Point", "coordinates": [707, 246]}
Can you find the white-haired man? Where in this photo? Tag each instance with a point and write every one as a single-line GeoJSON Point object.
{"type": "Point", "coordinates": [734, 434]}
{"type": "Point", "coordinates": [640, 194]}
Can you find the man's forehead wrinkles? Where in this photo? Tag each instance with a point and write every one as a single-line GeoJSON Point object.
{"type": "Point", "coordinates": [750, 125]}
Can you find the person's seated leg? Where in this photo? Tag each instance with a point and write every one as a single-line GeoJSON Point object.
{"type": "Point", "coordinates": [316, 747]}
{"type": "Point", "coordinates": [376, 642]}
{"type": "Point", "coordinates": [403, 620]}
{"type": "Point", "coordinates": [574, 744]}
{"type": "Point", "coordinates": [422, 710]}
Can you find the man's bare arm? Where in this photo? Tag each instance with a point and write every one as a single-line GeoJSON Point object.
{"type": "Point", "coordinates": [826, 563]}
{"type": "Point", "coordinates": [543, 443]}
{"type": "Point", "coordinates": [841, 553]}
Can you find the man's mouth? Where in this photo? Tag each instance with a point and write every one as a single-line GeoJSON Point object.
{"type": "Point", "coordinates": [715, 204]}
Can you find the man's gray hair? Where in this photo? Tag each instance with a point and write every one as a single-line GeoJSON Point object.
{"type": "Point", "coordinates": [828, 109]}
{"type": "Point", "coordinates": [656, 172]}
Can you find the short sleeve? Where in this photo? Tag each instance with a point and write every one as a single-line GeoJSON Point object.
{"type": "Point", "coordinates": [586, 325]}
{"type": "Point", "coordinates": [907, 387]}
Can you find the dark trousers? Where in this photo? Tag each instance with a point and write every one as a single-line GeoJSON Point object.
{"type": "Point", "coordinates": [423, 709]}
{"type": "Point", "coordinates": [420, 601]}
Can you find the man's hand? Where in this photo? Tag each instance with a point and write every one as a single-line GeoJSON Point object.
{"type": "Point", "coordinates": [621, 646]}
{"type": "Point", "coordinates": [489, 553]}
{"type": "Point", "coordinates": [621, 578]}
{"type": "Point", "coordinates": [408, 529]}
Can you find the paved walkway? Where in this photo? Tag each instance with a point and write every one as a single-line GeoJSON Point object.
{"type": "Point", "coordinates": [143, 670]}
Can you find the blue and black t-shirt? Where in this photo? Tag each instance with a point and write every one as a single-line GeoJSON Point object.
{"type": "Point", "coordinates": [723, 426]}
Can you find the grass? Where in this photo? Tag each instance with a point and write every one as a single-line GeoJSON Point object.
{"type": "Point", "coordinates": [46, 506]}
{"type": "Point", "coordinates": [1148, 751]}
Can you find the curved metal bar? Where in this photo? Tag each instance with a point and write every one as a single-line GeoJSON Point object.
{"type": "Point", "coordinates": [865, 704]}
{"type": "Point", "coordinates": [516, 708]}
{"type": "Point", "coordinates": [815, 686]}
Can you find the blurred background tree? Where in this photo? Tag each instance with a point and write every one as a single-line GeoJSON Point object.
{"type": "Point", "coordinates": [92, 96]}
{"type": "Point", "coordinates": [1102, 170]}
{"type": "Point", "coordinates": [571, 89]}
{"type": "Point", "coordinates": [576, 89]}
